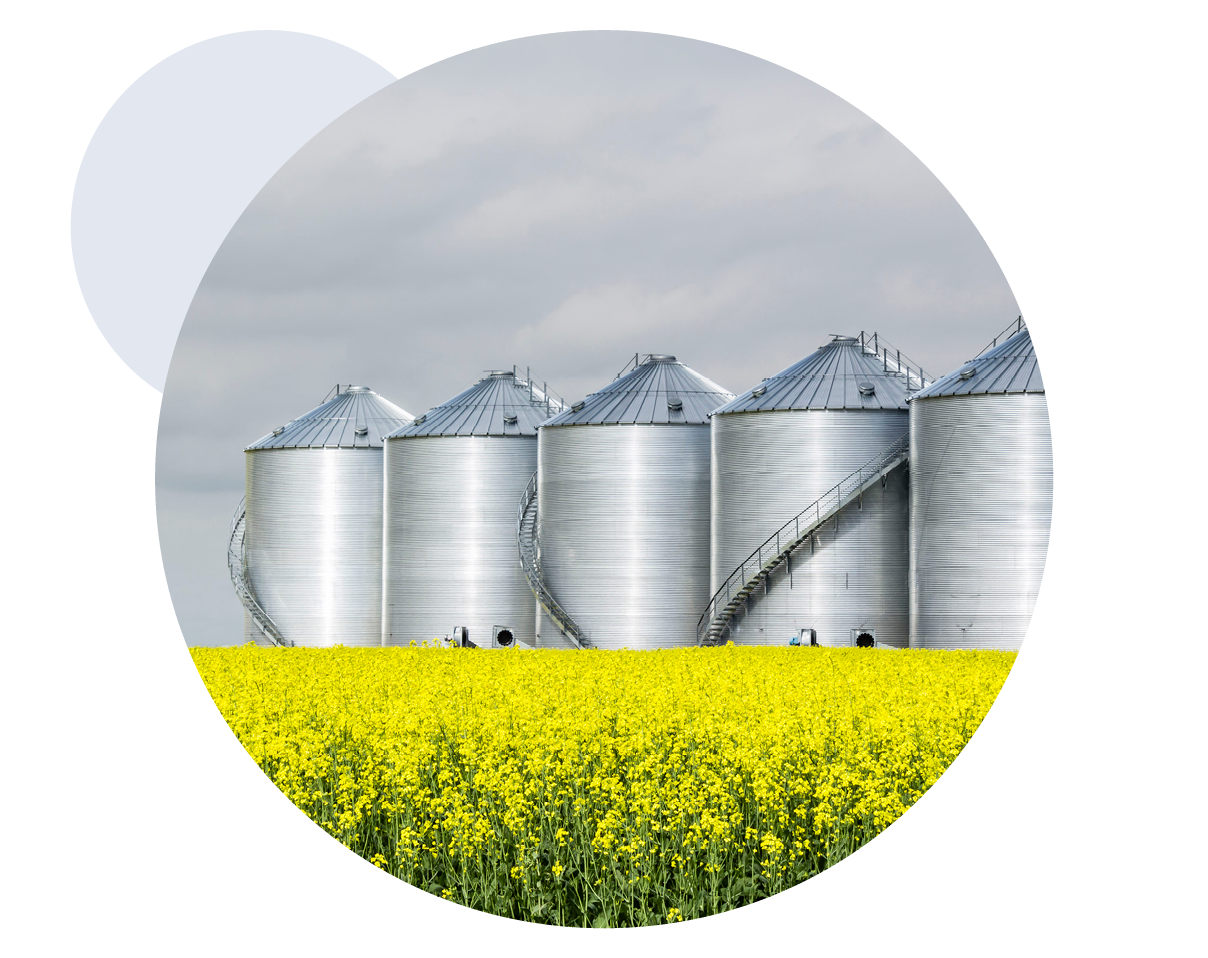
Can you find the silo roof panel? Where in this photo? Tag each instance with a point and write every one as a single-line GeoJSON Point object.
{"type": "Point", "coordinates": [831, 377]}
{"type": "Point", "coordinates": [355, 418]}
{"type": "Point", "coordinates": [1010, 367]}
{"type": "Point", "coordinates": [660, 390]}
{"type": "Point", "coordinates": [497, 405]}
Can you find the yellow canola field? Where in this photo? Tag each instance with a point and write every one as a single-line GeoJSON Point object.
{"type": "Point", "coordinates": [603, 788]}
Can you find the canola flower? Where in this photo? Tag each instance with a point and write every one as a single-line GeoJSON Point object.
{"type": "Point", "coordinates": [603, 789]}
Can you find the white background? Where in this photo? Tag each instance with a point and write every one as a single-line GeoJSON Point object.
{"type": "Point", "coordinates": [1073, 137]}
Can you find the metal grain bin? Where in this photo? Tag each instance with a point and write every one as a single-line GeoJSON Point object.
{"type": "Point", "coordinates": [981, 501]}
{"type": "Point", "coordinates": [453, 478]}
{"type": "Point", "coordinates": [777, 449]}
{"type": "Point", "coordinates": [313, 539]}
{"type": "Point", "coordinates": [623, 508]}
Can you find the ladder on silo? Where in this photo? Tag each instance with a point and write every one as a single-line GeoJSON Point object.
{"type": "Point", "coordinates": [526, 540]}
{"type": "Point", "coordinates": [779, 547]}
{"type": "Point", "coordinates": [237, 566]}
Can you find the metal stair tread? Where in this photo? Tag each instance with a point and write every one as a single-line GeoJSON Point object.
{"type": "Point", "coordinates": [526, 522]}
{"type": "Point", "coordinates": [877, 468]}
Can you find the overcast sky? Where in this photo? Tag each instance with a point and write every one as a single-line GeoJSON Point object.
{"type": "Point", "coordinates": [561, 202]}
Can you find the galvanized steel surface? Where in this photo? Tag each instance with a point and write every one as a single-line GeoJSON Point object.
{"type": "Point", "coordinates": [755, 572]}
{"type": "Point", "coordinates": [623, 513]}
{"type": "Point", "coordinates": [499, 404]}
{"type": "Point", "coordinates": [981, 504]}
{"type": "Point", "coordinates": [314, 542]}
{"type": "Point", "coordinates": [660, 390]}
{"type": "Point", "coordinates": [256, 620]}
{"type": "Point", "coordinates": [355, 418]}
{"type": "Point", "coordinates": [450, 554]}
{"type": "Point", "coordinates": [766, 468]}
{"type": "Point", "coordinates": [831, 377]}
{"type": "Point", "coordinates": [530, 561]}
{"type": "Point", "coordinates": [1010, 367]}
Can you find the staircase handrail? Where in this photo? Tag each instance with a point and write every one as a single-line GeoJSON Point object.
{"type": "Point", "coordinates": [527, 547]}
{"type": "Point", "coordinates": [785, 540]}
{"type": "Point", "coordinates": [237, 567]}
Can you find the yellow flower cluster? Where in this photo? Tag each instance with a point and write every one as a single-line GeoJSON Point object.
{"type": "Point", "coordinates": [603, 788]}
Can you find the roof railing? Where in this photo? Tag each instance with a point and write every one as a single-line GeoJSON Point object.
{"type": "Point", "coordinates": [632, 364]}
{"type": "Point", "coordinates": [892, 361]}
{"type": "Point", "coordinates": [539, 396]}
{"type": "Point", "coordinates": [1017, 326]}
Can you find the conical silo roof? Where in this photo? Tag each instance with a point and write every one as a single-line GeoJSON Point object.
{"type": "Point", "coordinates": [499, 404]}
{"type": "Point", "coordinates": [843, 374]}
{"type": "Point", "coordinates": [659, 390]}
{"type": "Point", "coordinates": [357, 417]}
{"type": "Point", "coordinates": [1010, 367]}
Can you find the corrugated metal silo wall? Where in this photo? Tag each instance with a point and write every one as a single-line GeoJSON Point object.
{"type": "Point", "coordinates": [981, 503]}
{"type": "Point", "coordinates": [314, 542]}
{"type": "Point", "coordinates": [450, 550]}
{"type": "Point", "coordinates": [623, 514]}
{"type": "Point", "coordinates": [766, 468]}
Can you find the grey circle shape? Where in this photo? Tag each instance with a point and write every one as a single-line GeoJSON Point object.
{"type": "Point", "coordinates": [178, 158]}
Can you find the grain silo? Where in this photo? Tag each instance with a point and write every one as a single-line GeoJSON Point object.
{"type": "Point", "coordinates": [453, 479]}
{"type": "Point", "coordinates": [622, 521]}
{"type": "Point", "coordinates": [981, 500]}
{"type": "Point", "coordinates": [810, 493]}
{"type": "Point", "coordinates": [312, 541]}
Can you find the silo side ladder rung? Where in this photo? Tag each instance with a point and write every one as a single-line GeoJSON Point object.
{"type": "Point", "coordinates": [781, 544]}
